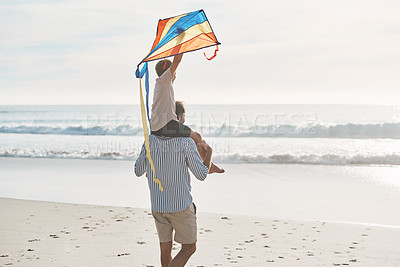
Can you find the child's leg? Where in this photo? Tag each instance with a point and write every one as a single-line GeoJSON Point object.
{"type": "Point", "coordinates": [197, 139]}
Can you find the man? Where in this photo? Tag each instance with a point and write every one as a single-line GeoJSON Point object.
{"type": "Point", "coordinates": [173, 208]}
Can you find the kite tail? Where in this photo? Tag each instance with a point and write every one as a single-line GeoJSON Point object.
{"type": "Point", "coordinates": [215, 54]}
{"type": "Point", "coordinates": [146, 136]}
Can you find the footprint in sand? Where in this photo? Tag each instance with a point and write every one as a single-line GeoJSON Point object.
{"type": "Point", "coordinates": [123, 254]}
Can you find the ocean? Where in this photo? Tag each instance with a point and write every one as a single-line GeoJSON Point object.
{"type": "Point", "coordinates": [289, 134]}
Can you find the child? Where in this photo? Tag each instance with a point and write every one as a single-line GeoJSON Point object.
{"type": "Point", "coordinates": [164, 121]}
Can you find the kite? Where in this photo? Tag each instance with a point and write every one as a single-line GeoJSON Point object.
{"type": "Point", "coordinates": [175, 35]}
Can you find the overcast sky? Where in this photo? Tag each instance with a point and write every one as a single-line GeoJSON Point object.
{"type": "Point", "coordinates": [272, 52]}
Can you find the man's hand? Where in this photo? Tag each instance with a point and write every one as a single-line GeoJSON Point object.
{"type": "Point", "coordinates": [208, 149]}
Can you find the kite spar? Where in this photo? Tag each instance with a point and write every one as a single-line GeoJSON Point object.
{"type": "Point", "coordinates": [176, 35]}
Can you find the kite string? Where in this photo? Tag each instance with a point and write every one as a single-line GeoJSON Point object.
{"type": "Point", "coordinates": [215, 54]}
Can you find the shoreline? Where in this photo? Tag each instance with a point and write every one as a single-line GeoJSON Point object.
{"type": "Point", "coordinates": [36, 233]}
{"type": "Point", "coordinates": [299, 192]}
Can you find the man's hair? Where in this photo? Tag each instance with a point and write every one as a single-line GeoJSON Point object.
{"type": "Point", "coordinates": [160, 69]}
{"type": "Point", "coordinates": [179, 108]}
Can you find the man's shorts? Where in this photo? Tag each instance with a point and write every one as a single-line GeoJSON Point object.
{"type": "Point", "coordinates": [183, 222]}
{"type": "Point", "coordinates": [173, 129]}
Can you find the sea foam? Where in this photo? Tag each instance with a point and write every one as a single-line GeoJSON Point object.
{"type": "Point", "coordinates": [350, 130]}
{"type": "Point", "coordinates": [238, 158]}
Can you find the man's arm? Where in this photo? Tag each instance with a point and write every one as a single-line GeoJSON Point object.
{"type": "Point", "coordinates": [194, 162]}
{"type": "Point", "coordinates": [175, 63]}
{"type": "Point", "coordinates": [140, 165]}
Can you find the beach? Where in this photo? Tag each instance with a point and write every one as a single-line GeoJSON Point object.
{"type": "Point", "coordinates": [297, 100]}
{"type": "Point", "coordinates": [54, 234]}
{"type": "Point", "coordinates": [261, 214]}
{"type": "Point", "coordinates": [305, 185]}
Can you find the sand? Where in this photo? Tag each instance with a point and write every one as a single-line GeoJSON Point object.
{"type": "Point", "coordinates": [35, 233]}
{"type": "Point", "coordinates": [366, 194]}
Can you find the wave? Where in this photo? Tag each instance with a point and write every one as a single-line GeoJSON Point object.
{"type": "Point", "coordinates": [238, 158]}
{"type": "Point", "coordinates": [350, 130]}
{"type": "Point", "coordinates": [72, 130]}
{"type": "Point", "coordinates": [326, 159]}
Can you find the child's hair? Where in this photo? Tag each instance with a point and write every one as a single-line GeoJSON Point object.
{"type": "Point", "coordinates": [180, 108]}
{"type": "Point", "coordinates": [160, 69]}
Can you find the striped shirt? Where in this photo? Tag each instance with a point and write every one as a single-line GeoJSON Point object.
{"type": "Point", "coordinates": [172, 158]}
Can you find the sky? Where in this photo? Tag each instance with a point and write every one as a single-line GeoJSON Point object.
{"type": "Point", "coordinates": [272, 52]}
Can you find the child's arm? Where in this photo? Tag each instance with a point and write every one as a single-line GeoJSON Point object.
{"type": "Point", "coordinates": [175, 63]}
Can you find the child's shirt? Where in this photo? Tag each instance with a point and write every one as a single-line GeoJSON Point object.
{"type": "Point", "coordinates": [163, 108]}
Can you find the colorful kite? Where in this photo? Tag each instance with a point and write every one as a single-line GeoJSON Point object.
{"type": "Point", "coordinates": [181, 34]}
{"type": "Point", "coordinates": [176, 35]}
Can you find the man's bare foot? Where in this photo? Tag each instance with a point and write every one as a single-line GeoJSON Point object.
{"type": "Point", "coordinates": [215, 169]}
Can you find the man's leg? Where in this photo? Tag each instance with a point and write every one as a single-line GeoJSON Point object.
{"type": "Point", "coordinates": [198, 139]}
{"type": "Point", "coordinates": [166, 250]}
{"type": "Point", "coordinates": [183, 256]}
{"type": "Point", "coordinates": [164, 230]}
